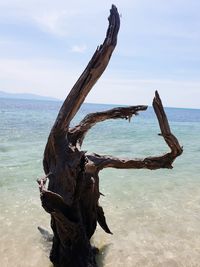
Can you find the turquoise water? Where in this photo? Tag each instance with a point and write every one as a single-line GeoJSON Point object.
{"type": "Point", "coordinates": [154, 215]}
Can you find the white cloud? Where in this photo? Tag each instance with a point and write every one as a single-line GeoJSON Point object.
{"type": "Point", "coordinates": [57, 21]}
{"type": "Point", "coordinates": [52, 23]}
{"type": "Point", "coordinates": [79, 48]}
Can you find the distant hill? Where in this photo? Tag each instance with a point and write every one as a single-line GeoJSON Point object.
{"type": "Point", "coordinates": [26, 96]}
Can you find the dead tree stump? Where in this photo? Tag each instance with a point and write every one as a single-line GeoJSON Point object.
{"type": "Point", "coordinates": [72, 197]}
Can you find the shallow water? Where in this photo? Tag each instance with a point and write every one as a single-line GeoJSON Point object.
{"type": "Point", "coordinates": [154, 215]}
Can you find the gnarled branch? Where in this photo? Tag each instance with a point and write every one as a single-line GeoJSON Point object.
{"type": "Point", "coordinates": [170, 139]}
{"type": "Point", "coordinates": [57, 140]}
{"type": "Point", "coordinates": [79, 131]}
{"type": "Point", "coordinates": [90, 75]}
{"type": "Point", "coordinates": [97, 162]}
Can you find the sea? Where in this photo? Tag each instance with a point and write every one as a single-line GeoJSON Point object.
{"type": "Point", "coordinates": [154, 215]}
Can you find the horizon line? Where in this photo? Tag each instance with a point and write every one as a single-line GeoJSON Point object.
{"type": "Point", "coordinates": [52, 99]}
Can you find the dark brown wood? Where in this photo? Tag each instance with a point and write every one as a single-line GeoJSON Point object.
{"type": "Point", "coordinates": [97, 162]}
{"type": "Point", "coordinates": [79, 131]}
{"type": "Point", "coordinates": [73, 189]}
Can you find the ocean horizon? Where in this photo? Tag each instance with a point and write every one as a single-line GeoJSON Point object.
{"type": "Point", "coordinates": [35, 97]}
{"type": "Point", "coordinates": [154, 215]}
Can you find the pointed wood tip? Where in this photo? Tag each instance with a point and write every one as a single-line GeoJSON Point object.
{"type": "Point", "coordinates": [156, 97]}
{"type": "Point", "coordinates": [157, 94]}
{"type": "Point", "coordinates": [114, 25]}
{"type": "Point", "coordinates": [157, 102]}
{"type": "Point", "coordinates": [113, 7]}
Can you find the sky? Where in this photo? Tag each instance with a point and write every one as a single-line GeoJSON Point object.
{"type": "Point", "coordinates": [45, 45]}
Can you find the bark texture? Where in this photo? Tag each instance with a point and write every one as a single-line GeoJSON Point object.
{"type": "Point", "coordinates": [73, 189]}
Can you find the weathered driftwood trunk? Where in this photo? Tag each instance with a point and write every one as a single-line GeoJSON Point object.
{"type": "Point", "coordinates": [73, 190]}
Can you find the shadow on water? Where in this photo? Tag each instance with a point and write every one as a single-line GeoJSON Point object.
{"type": "Point", "coordinates": [46, 247]}
{"type": "Point", "coordinates": [101, 256]}
{"type": "Point", "coordinates": [46, 242]}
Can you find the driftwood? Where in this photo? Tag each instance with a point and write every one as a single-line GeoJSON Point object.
{"type": "Point", "coordinates": [73, 189]}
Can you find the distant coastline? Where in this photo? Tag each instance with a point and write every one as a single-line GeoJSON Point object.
{"type": "Point", "coordinates": [26, 96]}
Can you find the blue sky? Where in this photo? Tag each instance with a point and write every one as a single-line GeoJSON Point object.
{"type": "Point", "coordinates": [45, 45]}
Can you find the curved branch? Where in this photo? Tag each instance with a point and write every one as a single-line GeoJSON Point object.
{"type": "Point", "coordinates": [90, 75]}
{"type": "Point", "coordinates": [79, 131]}
{"type": "Point", "coordinates": [97, 162]}
{"type": "Point", "coordinates": [170, 139]}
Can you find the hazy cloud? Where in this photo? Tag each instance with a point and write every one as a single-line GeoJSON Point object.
{"type": "Point", "coordinates": [79, 48]}
{"type": "Point", "coordinates": [52, 23]}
